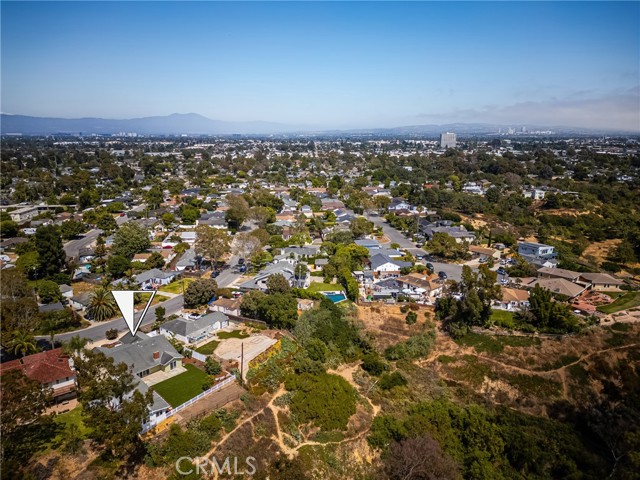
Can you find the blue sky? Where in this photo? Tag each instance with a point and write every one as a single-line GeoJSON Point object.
{"type": "Point", "coordinates": [332, 65]}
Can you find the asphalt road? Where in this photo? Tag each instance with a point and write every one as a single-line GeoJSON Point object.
{"type": "Point", "coordinates": [97, 332]}
{"type": "Point", "coordinates": [72, 247]}
{"type": "Point", "coordinates": [391, 233]}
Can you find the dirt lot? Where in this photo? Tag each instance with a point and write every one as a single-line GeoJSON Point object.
{"type": "Point", "coordinates": [387, 323]}
{"type": "Point", "coordinates": [599, 250]}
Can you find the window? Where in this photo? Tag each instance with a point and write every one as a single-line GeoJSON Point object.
{"type": "Point", "coordinates": [172, 365]}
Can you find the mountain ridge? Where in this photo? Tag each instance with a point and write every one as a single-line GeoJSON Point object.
{"type": "Point", "coordinates": [196, 124]}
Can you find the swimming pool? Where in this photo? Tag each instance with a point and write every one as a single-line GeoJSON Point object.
{"type": "Point", "coordinates": [335, 297]}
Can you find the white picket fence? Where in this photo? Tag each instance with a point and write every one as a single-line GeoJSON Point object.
{"type": "Point", "coordinates": [215, 388]}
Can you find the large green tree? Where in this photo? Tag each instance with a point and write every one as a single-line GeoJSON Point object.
{"type": "Point", "coordinates": [130, 239]}
{"type": "Point", "coordinates": [212, 243]}
{"type": "Point", "coordinates": [199, 292]}
{"type": "Point", "coordinates": [112, 407]}
{"type": "Point", "coordinates": [51, 256]}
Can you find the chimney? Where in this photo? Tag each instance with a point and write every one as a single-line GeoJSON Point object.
{"type": "Point", "coordinates": [156, 355]}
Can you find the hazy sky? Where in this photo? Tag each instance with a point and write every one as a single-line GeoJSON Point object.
{"type": "Point", "coordinates": [363, 64]}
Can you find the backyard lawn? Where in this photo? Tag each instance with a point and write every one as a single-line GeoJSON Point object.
{"type": "Point", "coordinates": [208, 348]}
{"type": "Point", "coordinates": [183, 387]}
{"type": "Point", "coordinates": [176, 287]}
{"type": "Point", "coordinates": [324, 287]}
{"type": "Point", "coordinates": [233, 334]}
{"type": "Point", "coordinates": [502, 318]}
{"type": "Point", "coordinates": [144, 298]}
{"type": "Point", "coordinates": [63, 421]}
{"type": "Point", "coordinates": [624, 302]}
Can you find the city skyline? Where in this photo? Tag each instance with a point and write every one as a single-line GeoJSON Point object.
{"type": "Point", "coordinates": [327, 65]}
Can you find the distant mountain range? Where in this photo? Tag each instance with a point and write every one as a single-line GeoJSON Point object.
{"type": "Point", "coordinates": [174, 124]}
{"type": "Point", "coordinates": [195, 124]}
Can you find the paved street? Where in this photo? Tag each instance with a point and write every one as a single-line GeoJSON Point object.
{"type": "Point", "coordinates": [73, 247]}
{"type": "Point", "coordinates": [97, 332]}
{"type": "Point", "coordinates": [391, 233]}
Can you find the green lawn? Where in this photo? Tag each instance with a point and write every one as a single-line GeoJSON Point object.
{"type": "Point", "coordinates": [502, 318]}
{"type": "Point", "coordinates": [183, 387]}
{"type": "Point", "coordinates": [626, 301]}
{"type": "Point", "coordinates": [208, 348]}
{"type": "Point", "coordinates": [144, 298]}
{"type": "Point", "coordinates": [233, 334]}
{"type": "Point", "coordinates": [62, 422]}
{"type": "Point", "coordinates": [176, 287]}
{"type": "Point", "coordinates": [324, 287]}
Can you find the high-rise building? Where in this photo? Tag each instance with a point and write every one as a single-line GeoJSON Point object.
{"type": "Point", "coordinates": [447, 140]}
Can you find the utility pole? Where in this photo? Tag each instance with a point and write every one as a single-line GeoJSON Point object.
{"type": "Point", "coordinates": [241, 363]}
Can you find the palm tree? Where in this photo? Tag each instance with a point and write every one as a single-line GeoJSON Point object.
{"type": "Point", "coordinates": [22, 343]}
{"type": "Point", "coordinates": [102, 305]}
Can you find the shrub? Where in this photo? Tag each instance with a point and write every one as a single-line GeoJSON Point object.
{"type": "Point", "coordinates": [372, 364]}
{"type": "Point", "coordinates": [111, 334]}
{"type": "Point", "coordinates": [391, 380]}
{"type": "Point", "coordinates": [412, 317]}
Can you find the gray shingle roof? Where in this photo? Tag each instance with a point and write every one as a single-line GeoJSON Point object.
{"type": "Point", "coordinates": [380, 259]}
{"type": "Point", "coordinates": [186, 327]}
{"type": "Point", "coordinates": [138, 355]}
{"type": "Point", "coordinates": [152, 274]}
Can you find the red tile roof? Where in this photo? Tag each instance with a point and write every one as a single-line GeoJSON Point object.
{"type": "Point", "coordinates": [46, 367]}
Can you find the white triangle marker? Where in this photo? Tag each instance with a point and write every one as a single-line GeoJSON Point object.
{"type": "Point", "coordinates": [124, 299]}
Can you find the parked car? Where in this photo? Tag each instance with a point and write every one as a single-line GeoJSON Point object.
{"type": "Point", "coordinates": [430, 266]}
{"type": "Point", "coordinates": [243, 268]}
{"type": "Point", "coordinates": [241, 261]}
{"type": "Point", "coordinates": [442, 275]}
{"type": "Point", "coordinates": [501, 271]}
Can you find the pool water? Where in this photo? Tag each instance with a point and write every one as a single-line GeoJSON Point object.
{"type": "Point", "coordinates": [335, 297]}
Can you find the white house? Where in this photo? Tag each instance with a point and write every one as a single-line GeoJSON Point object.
{"type": "Point", "coordinates": [154, 278]}
{"type": "Point", "coordinates": [191, 331]}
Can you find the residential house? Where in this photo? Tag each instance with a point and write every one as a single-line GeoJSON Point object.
{"type": "Point", "coordinates": [141, 257]}
{"type": "Point", "coordinates": [301, 252]}
{"type": "Point", "coordinates": [229, 306]}
{"type": "Point", "coordinates": [285, 267]}
{"type": "Point", "coordinates": [67, 293]}
{"type": "Point", "coordinates": [192, 331]}
{"type": "Point", "coordinates": [331, 204]}
{"type": "Point", "coordinates": [320, 263]}
{"type": "Point", "coordinates": [538, 254]}
{"type": "Point", "coordinates": [419, 286]}
{"type": "Point", "coordinates": [558, 286]}
{"type": "Point", "coordinates": [547, 272]}
{"type": "Point", "coordinates": [81, 301]}
{"type": "Point", "coordinates": [144, 355]}
{"type": "Point", "coordinates": [459, 233]}
{"type": "Point", "coordinates": [512, 299]}
{"type": "Point", "coordinates": [154, 278]}
{"type": "Point", "coordinates": [385, 266]}
{"type": "Point", "coordinates": [370, 244]}
{"type": "Point", "coordinates": [52, 368]}
{"type": "Point", "coordinates": [189, 261]}
{"type": "Point", "coordinates": [484, 253]}
{"type": "Point", "coordinates": [601, 282]}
